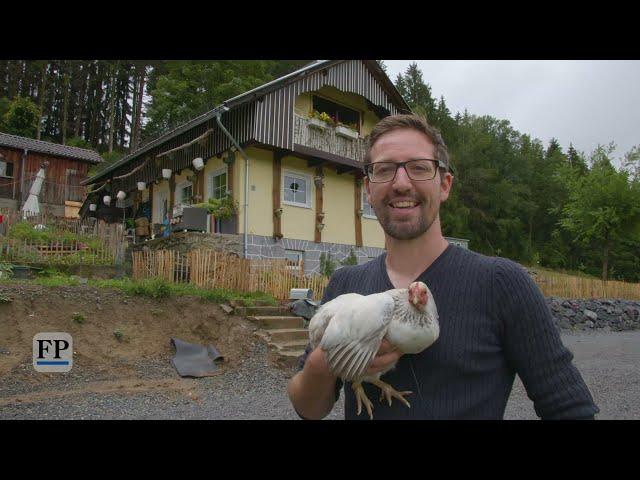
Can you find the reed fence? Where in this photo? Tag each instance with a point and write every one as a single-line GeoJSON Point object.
{"type": "Point", "coordinates": [213, 269]}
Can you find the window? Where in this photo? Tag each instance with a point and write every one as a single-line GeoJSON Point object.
{"type": "Point", "coordinates": [297, 189]}
{"type": "Point", "coordinates": [185, 192]}
{"type": "Point", "coordinates": [367, 210]}
{"type": "Point", "coordinates": [341, 114]}
{"type": "Point", "coordinates": [6, 168]}
{"type": "Point", "coordinates": [294, 259]}
{"type": "Point", "coordinates": [73, 191]}
{"type": "Point", "coordinates": [218, 184]}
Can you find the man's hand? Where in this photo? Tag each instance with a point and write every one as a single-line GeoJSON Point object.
{"type": "Point", "coordinates": [387, 355]}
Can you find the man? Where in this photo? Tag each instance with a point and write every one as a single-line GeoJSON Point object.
{"type": "Point", "coordinates": [494, 321]}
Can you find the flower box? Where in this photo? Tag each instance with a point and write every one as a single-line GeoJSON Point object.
{"type": "Point", "coordinates": [346, 132]}
{"type": "Point", "coordinates": [317, 123]}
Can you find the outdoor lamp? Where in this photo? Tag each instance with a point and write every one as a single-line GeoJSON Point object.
{"type": "Point", "coordinates": [107, 200]}
{"type": "Point", "coordinates": [141, 186]}
{"type": "Point", "coordinates": [198, 163]}
{"type": "Point", "coordinates": [121, 195]}
{"type": "Point", "coordinates": [166, 173]}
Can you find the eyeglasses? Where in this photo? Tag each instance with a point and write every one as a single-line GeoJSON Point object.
{"type": "Point", "coordinates": [418, 169]}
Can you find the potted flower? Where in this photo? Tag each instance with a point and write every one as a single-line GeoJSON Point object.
{"type": "Point", "coordinates": [347, 130]}
{"type": "Point", "coordinates": [319, 120]}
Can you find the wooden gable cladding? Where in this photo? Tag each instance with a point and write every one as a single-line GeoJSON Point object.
{"type": "Point", "coordinates": [277, 185]}
{"type": "Point", "coordinates": [274, 112]}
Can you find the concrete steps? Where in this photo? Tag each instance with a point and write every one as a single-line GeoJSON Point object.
{"type": "Point", "coordinates": [285, 333]}
{"type": "Point", "coordinates": [275, 322]}
{"type": "Point", "coordinates": [262, 311]}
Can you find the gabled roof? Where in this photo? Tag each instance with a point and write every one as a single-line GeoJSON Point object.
{"type": "Point", "coordinates": [249, 96]}
{"type": "Point", "coordinates": [14, 141]}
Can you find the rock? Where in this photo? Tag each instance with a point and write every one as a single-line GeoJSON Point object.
{"type": "Point", "coordinates": [4, 350]}
{"type": "Point", "coordinates": [227, 309]}
{"type": "Point", "coordinates": [632, 312]}
{"type": "Point", "coordinates": [589, 324]}
{"type": "Point", "coordinates": [593, 316]}
{"type": "Point", "coordinates": [564, 323]}
{"type": "Point", "coordinates": [569, 313]}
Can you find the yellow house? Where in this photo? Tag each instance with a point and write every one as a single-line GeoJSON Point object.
{"type": "Point", "coordinates": [290, 154]}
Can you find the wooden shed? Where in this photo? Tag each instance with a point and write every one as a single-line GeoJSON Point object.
{"type": "Point", "coordinates": [62, 193]}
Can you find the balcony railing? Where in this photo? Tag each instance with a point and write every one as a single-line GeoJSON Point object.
{"type": "Point", "coordinates": [327, 140]}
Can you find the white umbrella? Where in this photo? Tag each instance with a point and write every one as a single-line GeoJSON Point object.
{"type": "Point", "coordinates": [31, 206]}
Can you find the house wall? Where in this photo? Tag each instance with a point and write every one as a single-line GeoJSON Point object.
{"type": "Point", "coordinates": [339, 207]}
{"type": "Point", "coordinates": [158, 190]}
{"type": "Point", "coordinates": [299, 222]}
{"type": "Point", "coordinates": [210, 166]}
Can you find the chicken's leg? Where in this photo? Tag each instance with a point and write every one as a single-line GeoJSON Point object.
{"type": "Point", "coordinates": [388, 391]}
{"type": "Point", "coordinates": [361, 398]}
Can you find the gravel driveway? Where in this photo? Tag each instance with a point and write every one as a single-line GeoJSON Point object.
{"type": "Point", "coordinates": [609, 363]}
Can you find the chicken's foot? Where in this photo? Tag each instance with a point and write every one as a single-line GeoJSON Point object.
{"type": "Point", "coordinates": [388, 391]}
{"type": "Point", "coordinates": [361, 398]}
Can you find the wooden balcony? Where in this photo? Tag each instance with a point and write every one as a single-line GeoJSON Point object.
{"type": "Point", "coordinates": [327, 139]}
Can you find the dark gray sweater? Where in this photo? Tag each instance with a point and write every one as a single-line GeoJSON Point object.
{"type": "Point", "coordinates": [494, 323]}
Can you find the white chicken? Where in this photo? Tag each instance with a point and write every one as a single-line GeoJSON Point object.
{"type": "Point", "coordinates": [351, 327]}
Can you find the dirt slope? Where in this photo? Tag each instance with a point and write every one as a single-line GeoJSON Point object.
{"type": "Point", "coordinates": [146, 324]}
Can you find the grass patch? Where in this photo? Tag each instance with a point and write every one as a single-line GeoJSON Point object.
{"type": "Point", "coordinates": [157, 288]}
{"type": "Point", "coordinates": [152, 288]}
{"type": "Point", "coordinates": [119, 334]}
{"type": "Point", "coordinates": [78, 318]}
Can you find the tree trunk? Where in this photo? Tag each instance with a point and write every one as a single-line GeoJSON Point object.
{"type": "Point", "coordinates": [65, 101]}
{"type": "Point", "coordinates": [81, 100]}
{"type": "Point", "coordinates": [112, 97]}
{"type": "Point", "coordinates": [135, 138]}
{"type": "Point", "coordinates": [605, 262]}
{"type": "Point", "coordinates": [42, 93]}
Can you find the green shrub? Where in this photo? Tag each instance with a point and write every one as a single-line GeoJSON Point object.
{"type": "Point", "coordinates": [78, 318]}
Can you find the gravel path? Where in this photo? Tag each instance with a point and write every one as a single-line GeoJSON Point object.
{"type": "Point", "coordinates": [255, 390]}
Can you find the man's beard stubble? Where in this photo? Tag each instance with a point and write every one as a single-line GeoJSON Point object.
{"type": "Point", "coordinates": [404, 230]}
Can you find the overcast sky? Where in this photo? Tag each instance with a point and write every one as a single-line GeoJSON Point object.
{"type": "Point", "coordinates": [583, 102]}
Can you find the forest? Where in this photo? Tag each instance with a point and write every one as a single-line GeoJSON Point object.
{"type": "Point", "coordinates": [513, 196]}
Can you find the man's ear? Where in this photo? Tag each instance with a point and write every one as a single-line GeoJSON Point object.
{"type": "Point", "coordinates": [366, 187]}
{"type": "Point", "coordinates": [446, 181]}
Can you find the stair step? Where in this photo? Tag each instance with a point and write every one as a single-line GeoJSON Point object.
{"type": "Point", "coordinates": [271, 322]}
{"type": "Point", "coordinates": [263, 311]}
{"type": "Point", "coordinates": [292, 345]}
{"type": "Point", "coordinates": [288, 334]}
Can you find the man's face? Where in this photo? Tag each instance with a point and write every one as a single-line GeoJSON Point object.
{"type": "Point", "coordinates": [424, 196]}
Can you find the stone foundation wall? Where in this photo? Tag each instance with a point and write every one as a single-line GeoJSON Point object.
{"type": "Point", "coordinates": [184, 242]}
{"type": "Point", "coordinates": [259, 246]}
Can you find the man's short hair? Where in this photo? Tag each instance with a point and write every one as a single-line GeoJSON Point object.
{"type": "Point", "coordinates": [414, 122]}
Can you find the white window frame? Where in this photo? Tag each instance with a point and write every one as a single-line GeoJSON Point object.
{"type": "Point", "coordinates": [178, 193]}
{"type": "Point", "coordinates": [3, 171]}
{"type": "Point", "coordinates": [300, 254]}
{"type": "Point", "coordinates": [363, 203]}
{"type": "Point", "coordinates": [300, 176]}
{"type": "Point", "coordinates": [212, 175]}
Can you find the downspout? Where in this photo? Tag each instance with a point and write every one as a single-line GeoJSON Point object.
{"type": "Point", "coordinates": [24, 160]}
{"type": "Point", "coordinates": [218, 113]}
